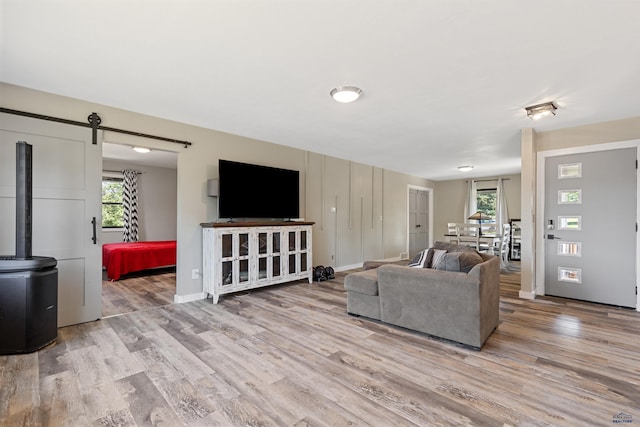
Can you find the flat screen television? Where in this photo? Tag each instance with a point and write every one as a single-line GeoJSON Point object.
{"type": "Point", "coordinates": [250, 191]}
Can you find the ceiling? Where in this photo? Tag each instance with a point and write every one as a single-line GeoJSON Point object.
{"type": "Point", "coordinates": [125, 154]}
{"type": "Point", "coordinates": [445, 82]}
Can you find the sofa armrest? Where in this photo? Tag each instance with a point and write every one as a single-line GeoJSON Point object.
{"type": "Point", "coordinates": [488, 273]}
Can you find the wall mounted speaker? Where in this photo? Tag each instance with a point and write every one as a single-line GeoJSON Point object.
{"type": "Point", "coordinates": [212, 188]}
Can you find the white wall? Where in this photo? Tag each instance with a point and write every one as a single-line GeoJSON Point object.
{"type": "Point", "coordinates": [449, 200]}
{"type": "Point", "coordinates": [388, 188]}
{"type": "Point", "coordinates": [157, 202]}
{"type": "Point", "coordinates": [361, 191]}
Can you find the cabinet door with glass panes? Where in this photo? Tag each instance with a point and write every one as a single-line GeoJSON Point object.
{"type": "Point", "coordinates": [270, 257]}
{"type": "Point", "coordinates": [234, 249]}
{"type": "Point", "coordinates": [298, 251]}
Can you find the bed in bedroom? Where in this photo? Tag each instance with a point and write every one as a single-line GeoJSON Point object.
{"type": "Point", "coordinates": [123, 258]}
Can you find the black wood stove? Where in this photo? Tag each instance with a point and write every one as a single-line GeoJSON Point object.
{"type": "Point", "coordinates": [28, 284]}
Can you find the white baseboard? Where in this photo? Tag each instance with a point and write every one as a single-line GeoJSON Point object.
{"type": "Point", "coordinates": [360, 264]}
{"type": "Point", "coordinates": [348, 267]}
{"type": "Point", "coordinates": [527, 295]}
{"type": "Point", "coordinates": [188, 298]}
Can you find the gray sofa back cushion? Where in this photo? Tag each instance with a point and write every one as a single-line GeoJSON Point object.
{"type": "Point", "coordinates": [459, 261]}
{"type": "Point", "coordinates": [452, 247]}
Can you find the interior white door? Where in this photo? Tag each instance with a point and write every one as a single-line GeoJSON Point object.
{"type": "Point", "coordinates": [66, 198]}
{"type": "Point", "coordinates": [590, 221]}
{"type": "Point", "coordinates": [418, 221]}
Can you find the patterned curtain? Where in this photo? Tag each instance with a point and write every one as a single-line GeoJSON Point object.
{"type": "Point", "coordinates": [130, 205]}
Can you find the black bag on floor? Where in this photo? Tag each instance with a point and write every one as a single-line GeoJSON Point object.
{"type": "Point", "coordinates": [319, 274]}
{"type": "Point", "coordinates": [329, 273]}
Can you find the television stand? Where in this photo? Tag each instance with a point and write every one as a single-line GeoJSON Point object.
{"type": "Point", "coordinates": [238, 256]}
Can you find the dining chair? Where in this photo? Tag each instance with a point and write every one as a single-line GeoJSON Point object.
{"type": "Point", "coordinates": [468, 236]}
{"type": "Point", "coordinates": [502, 248]}
{"type": "Point", "coordinates": [452, 229]}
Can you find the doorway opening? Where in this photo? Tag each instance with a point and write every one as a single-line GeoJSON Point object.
{"type": "Point", "coordinates": [156, 211]}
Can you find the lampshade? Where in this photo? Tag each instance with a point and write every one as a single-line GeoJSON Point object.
{"type": "Point", "coordinates": [539, 111]}
{"type": "Point", "coordinates": [480, 216]}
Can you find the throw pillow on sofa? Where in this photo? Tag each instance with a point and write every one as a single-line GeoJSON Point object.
{"type": "Point", "coordinates": [436, 258]}
{"type": "Point", "coordinates": [420, 260]}
{"type": "Point", "coordinates": [459, 261]}
{"type": "Point", "coordinates": [427, 258]}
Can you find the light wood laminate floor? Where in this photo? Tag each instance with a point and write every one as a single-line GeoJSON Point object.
{"type": "Point", "coordinates": [290, 356]}
{"type": "Point", "coordinates": [138, 291]}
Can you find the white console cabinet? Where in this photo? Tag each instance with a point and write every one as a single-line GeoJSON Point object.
{"type": "Point", "coordinates": [241, 256]}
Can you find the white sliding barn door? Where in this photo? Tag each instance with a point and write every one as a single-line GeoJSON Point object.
{"type": "Point", "coordinates": [66, 197]}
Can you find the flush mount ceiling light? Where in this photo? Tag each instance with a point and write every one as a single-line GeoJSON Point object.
{"type": "Point", "coordinates": [466, 168]}
{"type": "Point", "coordinates": [141, 149]}
{"type": "Point", "coordinates": [345, 93]}
{"type": "Point", "coordinates": [539, 111]}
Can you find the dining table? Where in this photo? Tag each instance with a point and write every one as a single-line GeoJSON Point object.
{"type": "Point", "coordinates": [472, 235]}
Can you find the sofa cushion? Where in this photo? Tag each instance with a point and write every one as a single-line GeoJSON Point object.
{"type": "Point", "coordinates": [364, 282]}
{"type": "Point", "coordinates": [436, 257]}
{"type": "Point", "coordinates": [459, 261]}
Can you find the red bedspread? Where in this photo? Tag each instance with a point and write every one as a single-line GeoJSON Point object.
{"type": "Point", "coordinates": [123, 258]}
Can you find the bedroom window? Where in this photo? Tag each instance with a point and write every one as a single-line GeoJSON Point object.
{"type": "Point", "coordinates": [112, 209]}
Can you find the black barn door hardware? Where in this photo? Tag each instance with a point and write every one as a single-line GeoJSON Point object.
{"type": "Point", "coordinates": [94, 123]}
{"type": "Point", "coordinates": [94, 238]}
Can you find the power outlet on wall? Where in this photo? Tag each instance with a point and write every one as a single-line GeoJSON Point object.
{"type": "Point", "coordinates": [195, 273]}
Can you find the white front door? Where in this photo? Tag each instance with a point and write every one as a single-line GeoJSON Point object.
{"type": "Point", "coordinates": [590, 226]}
{"type": "Point", "coordinates": [418, 221]}
{"type": "Point", "coordinates": [66, 198]}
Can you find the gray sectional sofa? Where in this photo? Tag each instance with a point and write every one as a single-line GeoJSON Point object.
{"type": "Point", "coordinates": [461, 306]}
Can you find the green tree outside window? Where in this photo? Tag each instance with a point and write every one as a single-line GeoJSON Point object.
{"type": "Point", "coordinates": [112, 209]}
{"type": "Point", "coordinates": [486, 201]}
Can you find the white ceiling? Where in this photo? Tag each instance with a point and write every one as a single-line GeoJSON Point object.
{"type": "Point", "coordinates": [125, 154]}
{"type": "Point", "coordinates": [445, 82]}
